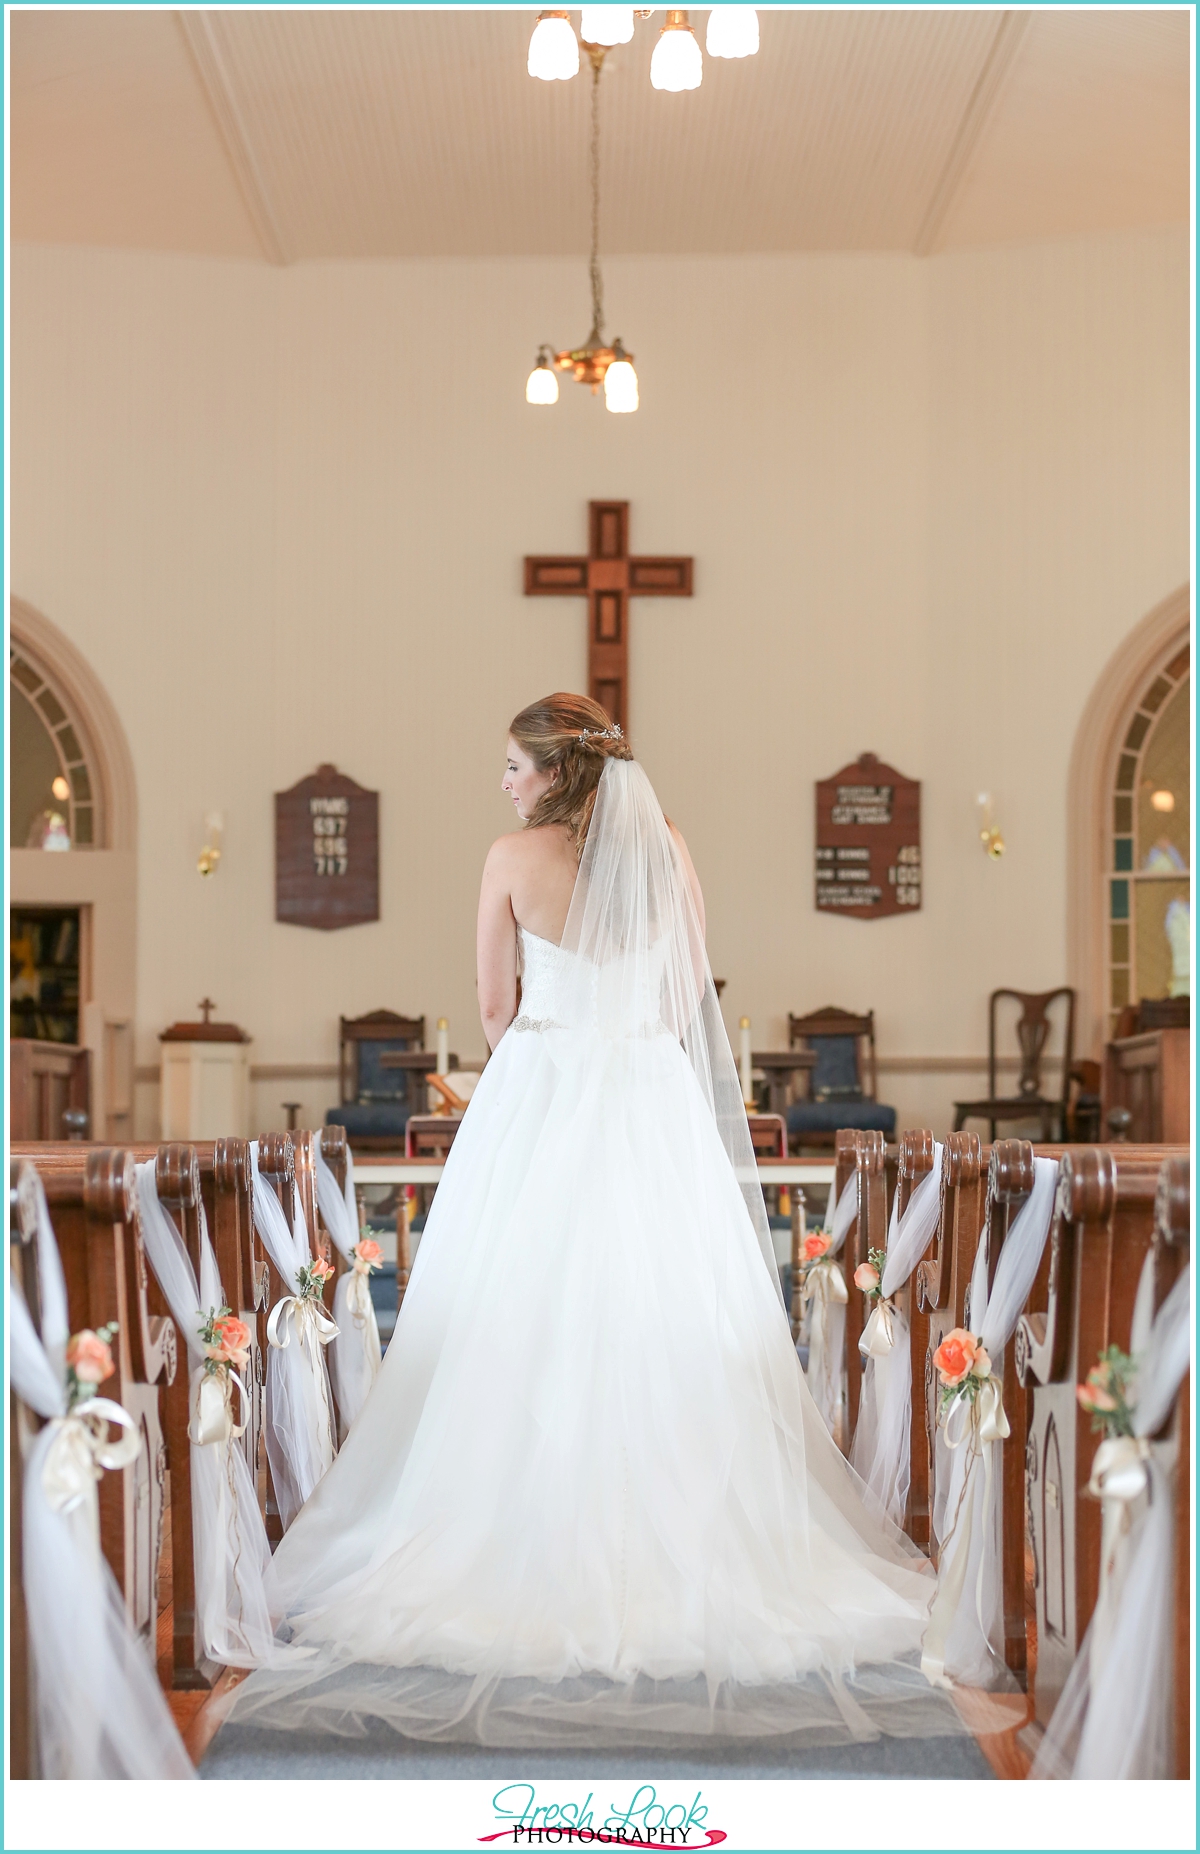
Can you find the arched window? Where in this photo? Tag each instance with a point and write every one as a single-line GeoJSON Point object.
{"type": "Point", "coordinates": [1149, 878]}
{"type": "Point", "coordinates": [55, 795]}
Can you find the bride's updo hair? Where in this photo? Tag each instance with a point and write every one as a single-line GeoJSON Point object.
{"type": "Point", "coordinates": [549, 732]}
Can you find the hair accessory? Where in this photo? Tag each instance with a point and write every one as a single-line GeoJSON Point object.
{"type": "Point", "coordinates": [602, 733]}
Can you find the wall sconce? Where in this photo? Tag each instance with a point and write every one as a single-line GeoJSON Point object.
{"type": "Point", "coordinates": [989, 830]}
{"type": "Point", "coordinates": [210, 855]}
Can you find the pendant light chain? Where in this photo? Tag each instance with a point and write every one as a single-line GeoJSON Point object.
{"type": "Point", "coordinates": [597, 284]}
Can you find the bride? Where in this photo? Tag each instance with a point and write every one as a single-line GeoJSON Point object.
{"type": "Point", "coordinates": [590, 1499]}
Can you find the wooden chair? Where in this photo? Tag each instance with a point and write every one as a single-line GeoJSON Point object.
{"type": "Point", "coordinates": [1103, 1225]}
{"type": "Point", "coordinates": [768, 1135]}
{"type": "Point", "coordinates": [1033, 1033]}
{"type": "Point", "coordinates": [841, 1087]}
{"type": "Point", "coordinates": [941, 1289]}
{"type": "Point", "coordinates": [92, 1201]}
{"type": "Point", "coordinates": [376, 1100]}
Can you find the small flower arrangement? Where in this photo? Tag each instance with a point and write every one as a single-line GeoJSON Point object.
{"type": "Point", "coordinates": [226, 1341]}
{"type": "Point", "coordinates": [1105, 1393]}
{"type": "Point", "coordinates": [815, 1248]}
{"type": "Point", "coordinates": [868, 1276]}
{"type": "Point", "coordinates": [89, 1361]}
{"type": "Point", "coordinates": [963, 1366]}
{"type": "Point", "coordinates": [366, 1255]}
{"type": "Point", "coordinates": [313, 1278]}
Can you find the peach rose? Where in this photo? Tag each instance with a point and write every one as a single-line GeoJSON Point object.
{"type": "Point", "coordinates": [89, 1357]}
{"type": "Point", "coordinates": [816, 1245]}
{"type": "Point", "coordinates": [233, 1340]}
{"type": "Point", "coordinates": [955, 1356]}
{"type": "Point", "coordinates": [1094, 1399]}
{"type": "Point", "coordinates": [321, 1270]}
{"type": "Point", "coordinates": [866, 1277]}
{"type": "Point", "coordinates": [368, 1251]}
{"type": "Point", "coordinates": [981, 1364]}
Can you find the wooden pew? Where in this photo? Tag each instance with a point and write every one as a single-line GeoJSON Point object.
{"type": "Point", "coordinates": [93, 1208]}
{"type": "Point", "coordinates": [225, 1185]}
{"type": "Point", "coordinates": [915, 1162]}
{"type": "Point", "coordinates": [868, 1231]}
{"type": "Point", "coordinates": [941, 1289]}
{"type": "Point", "coordinates": [277, 1168]}
{"type": "Point", "coordinates": [844, 1170]}
{"type": "Point", "coordinates": [1010, 1177]}
{"type": "Point", "coordinates": [1102, 1227]}
{"type": "Point", "coordinates": [1171, 1250]}
{"type": "Point", "coordinates": [23, 1426]}
{"type": "Point", "coordinates": [177, 1175]}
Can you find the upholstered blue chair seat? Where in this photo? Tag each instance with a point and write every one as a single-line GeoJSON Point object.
{"type": "Point", "coordinates": [828, 1116]}
{"type": "Point", "coordinates": [370, 1119]}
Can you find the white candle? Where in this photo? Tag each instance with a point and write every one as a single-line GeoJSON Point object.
{"type": "Point", "coordinates": [443, 1045]}
{"type": "Point", "coordinates": [745, 1064]}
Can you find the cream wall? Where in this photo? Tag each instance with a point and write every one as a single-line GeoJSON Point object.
{"type": "Point", "coordinates": [282, 513]}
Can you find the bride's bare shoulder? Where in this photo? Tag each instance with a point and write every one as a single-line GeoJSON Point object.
{"type": "Point", "coordinates": [528, 850]}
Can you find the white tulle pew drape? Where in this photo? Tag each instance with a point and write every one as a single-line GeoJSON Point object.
{"type": "Point", "coordinates": [299, 1427]}
{"type": "Point", "coordinates": [99, 1710]}
{"type": "Point", "coordinates": [355, 1355]}
{"type": "Point", "coordinates": [882, 1440]}
{"type": "Point", "coordinates": [1114, 1716]}
{"type": "Point", "coordinates": [823, 1299]}
{"type": "Point", "coordinates": [232, 1556]}
{"type": "Point", "coordinates": [965, 1638]}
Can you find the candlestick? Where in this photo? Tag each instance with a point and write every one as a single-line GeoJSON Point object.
{"type": "Point", "coordinates": [443, 1045]}
{"type": "Point", "coordinates": [745, 1064]}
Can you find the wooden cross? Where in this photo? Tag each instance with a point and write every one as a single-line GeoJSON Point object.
{"type": "Point", "coordinates": [609, 577]}
{"type": "Point", "coordinates": [207, 1006]}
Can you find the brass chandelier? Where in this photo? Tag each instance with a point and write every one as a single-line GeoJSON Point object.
{"type": "Point", "coordinates": [595, 364]}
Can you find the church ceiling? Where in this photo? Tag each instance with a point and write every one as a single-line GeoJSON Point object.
{"type": "Point", "coordinates": [312, 134]}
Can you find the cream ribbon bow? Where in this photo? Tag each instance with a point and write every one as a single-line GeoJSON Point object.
{"type": "Point", "coordinates": [81, 1451]}
{"type": "Point", "coordinates": [1119, 1470]}
{"type": "Point", "coordinates": [981, 1423]}
{"type": "Point", "coordinates": [358, 1294]}
{"type": "Point", "coordinates": [212, 1407]}
{"type": "Point", "coordinates": [824, 1282]}
{"type": "Point", "coordinates": [1118, 1479]}
{"type": "Point", "coordinates": [306, 1314]}
{"type": "Point", "coordinates": [878, 1336]}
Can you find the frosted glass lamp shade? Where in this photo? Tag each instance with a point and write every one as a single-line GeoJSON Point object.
{"type": "Point", "coordinates": [621, 387]}
{"type": "Point", "coordinates": [541, 388]}
{"type": "Point", "coordinates": [732, 32]}
{"type": "Point", "coordinates": [606, 25]}
{"type": "Point", "coordinates": [553, 49]}
{"type": "Point", "coordinates": [676, 64]}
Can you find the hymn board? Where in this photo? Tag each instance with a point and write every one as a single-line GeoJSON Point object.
{"type": "Point", "coordinates": [608, 576]}
{"type": "Point", "coordinates": [868, 843]}
{"type": "Point", "coordinates": [326, 852]}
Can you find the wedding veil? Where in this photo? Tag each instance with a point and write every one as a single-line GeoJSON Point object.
{"type": "Point", "coordinates": [640, 965]}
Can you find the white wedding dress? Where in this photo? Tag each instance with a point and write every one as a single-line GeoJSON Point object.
{"type": "Point", "coordinates": [590, 1498]}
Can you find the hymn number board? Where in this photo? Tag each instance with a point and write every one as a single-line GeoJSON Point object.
{"type": "Point", "coordinates": [326, 852]}
{"type": "Point", "coordinates": [868, 860]}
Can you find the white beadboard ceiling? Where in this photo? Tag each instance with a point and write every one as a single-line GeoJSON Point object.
{"type": "Point", "coordinates": [315, 134]}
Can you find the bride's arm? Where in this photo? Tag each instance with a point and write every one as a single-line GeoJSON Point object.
{"type": "Point", "coordinates": [689, 870]}
{"type": "Point", "coordinates": [496, 944]}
